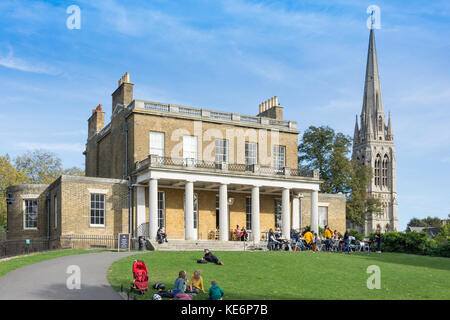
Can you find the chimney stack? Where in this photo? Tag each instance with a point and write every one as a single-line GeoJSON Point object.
{"type": "Point", "coordinates": [124, 93]}
{"type": "Point", "coordinates": [97, 121]}
{"type": "Point", "coordinates": [271, 109]}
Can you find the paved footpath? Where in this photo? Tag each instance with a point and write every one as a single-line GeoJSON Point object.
{"type": "Point", "coordinates": [47, 279]}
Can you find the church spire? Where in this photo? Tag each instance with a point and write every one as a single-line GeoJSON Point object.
{"type": "Point", "coordinates": [372, 108]}
{"type": "Point", "coordinates": [356, 133]}
{"type": "Point", "coordinates": [390, 132]}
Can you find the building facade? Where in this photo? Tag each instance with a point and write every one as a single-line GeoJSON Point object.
{"type": "Point", "coordinates": [196, 172]}
{"type": "Point", "coordinates": [373, 145]}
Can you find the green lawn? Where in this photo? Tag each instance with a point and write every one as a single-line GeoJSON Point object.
{"type": "Point", "coordinates": [21, 261]}
{"type": "Point", "coordinates": [297, 275]}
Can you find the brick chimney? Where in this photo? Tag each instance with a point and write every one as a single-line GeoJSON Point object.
{"type": "Point", "coordinates": [97, 121]}
{"type": "Point", "coordinates": [124, 92]}
{"type": "Point", "coordinates": [271, 109]}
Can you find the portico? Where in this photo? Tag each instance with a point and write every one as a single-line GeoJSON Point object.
{"type": "Point", "coordinates": [258, 190]}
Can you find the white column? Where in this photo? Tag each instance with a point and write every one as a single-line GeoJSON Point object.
{"type": "Point", "coordinates": [189, 211]}
{"type": "Point", "coordinates": [153, 209]}
{"type": "Point", "coordinates": [285, 214]}
{"type": "Point", "coordinates": [223, 213]}
{"type": "Point", "coordinates": [315, 211]}
{"type": "Point", "coordinates": [255, 215]}
{"type": "Point", "coordinates": [296, 212]}
{"type": "Point", "coordinates": [140, 210]}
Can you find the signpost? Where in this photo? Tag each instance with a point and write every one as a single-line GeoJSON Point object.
{"type": "Point", "coordinates": [124, 242]}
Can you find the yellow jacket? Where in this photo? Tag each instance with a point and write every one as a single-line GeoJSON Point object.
{"type": "Point", "coordinates": [197, 283]}
{"type": "Point", "coordinates": [308, 237]}
{"type": "Point", "coordinates": [328, 234]}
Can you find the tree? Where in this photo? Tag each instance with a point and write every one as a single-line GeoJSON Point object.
{"type": "Point", "coordinates": [415, 222]}
{"type": "Point", "coordinates": [323, 149]}
{"type": "Point", "coordinates": [359, 202]}
{"type": "Point", "coordinates": [425, 222]}
{"type": "Point", "coordinates": [40, 166]}
{"type": "Point", "coordinates": [74, 171]}
{"type": "Point", "coordinates": [9, 176]}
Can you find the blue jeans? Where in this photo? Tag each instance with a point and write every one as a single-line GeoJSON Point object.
{"type": "Point", "coordinates": [347, 246]}
{"type": "Point", "coordinates": [301, 245]}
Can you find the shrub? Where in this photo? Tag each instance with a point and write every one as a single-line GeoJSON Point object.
{"type": "Point", "coordinates": [414, 242]}
{"type": "Point", "coordinates": [356, 234]}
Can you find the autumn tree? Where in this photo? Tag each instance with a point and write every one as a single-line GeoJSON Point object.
{"type": "Point", "coordinates": [9, 175]}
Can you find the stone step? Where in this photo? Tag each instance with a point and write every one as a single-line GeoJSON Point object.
{"type": "Point", "coordinates": [200, 245]}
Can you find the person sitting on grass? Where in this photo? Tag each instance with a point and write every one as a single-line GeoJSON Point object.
{"type": "Point", "coordinates": [180, 283]}
{"type": "Point", "coordinates": [215, 292]}
{"type": "Point", "coordinates": [209, 257]}
{"type": "Point", "coordinates": [196, 283]}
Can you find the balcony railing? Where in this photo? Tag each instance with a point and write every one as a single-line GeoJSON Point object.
{"type": "Point", "coordinates": [168, 162]}
{"type": "Point", "coordinates": [204, 113]}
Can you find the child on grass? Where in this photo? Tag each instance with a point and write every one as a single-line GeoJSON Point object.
{"type": "Point", "coordinates": [215, 292]}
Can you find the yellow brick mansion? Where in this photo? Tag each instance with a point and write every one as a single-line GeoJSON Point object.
{"type": "Point", "coordinates": [196, 172]}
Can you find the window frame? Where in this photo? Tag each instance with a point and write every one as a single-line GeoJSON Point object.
{"type": "Point", "coordinates": [97, 225]}
{"type": "Point", "coordinates": [189, 152]}
{"type": "Point", "coordinates": [251, 160]}
{"type": "Point", "coordinates": [161, 149]}
{"type": "Point", "coordinates": [321, 217]}
{"type": "Point", "coordinates": [25, 213]}
{"type": "Point", "coordinates": [276, 158]}
{"type": "Point", "coordinates": [55, 210]}
{"type": "Point", "coordinates": [223, 155]}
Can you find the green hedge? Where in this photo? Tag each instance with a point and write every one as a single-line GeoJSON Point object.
{"type": "Point", "coordinates": [414, 242]}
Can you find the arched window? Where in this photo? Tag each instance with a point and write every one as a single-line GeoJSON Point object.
{"type": "Point", "coordinates": [377, 169]}
{"type": "Point", "coordinates": [380, 124]}
{"type": "Point", "coordinates": [385, 170]}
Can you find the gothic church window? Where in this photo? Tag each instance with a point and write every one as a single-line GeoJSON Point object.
{"type": "Point", "coordinates": [377, 169]}
{"type": "Point", "coordinates": [385, 170]}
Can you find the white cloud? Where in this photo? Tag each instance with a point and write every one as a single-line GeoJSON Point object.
{"type": "Point", "coordinates": [11, 62]}
{"type": "Point", "coordinates": [71, 147]}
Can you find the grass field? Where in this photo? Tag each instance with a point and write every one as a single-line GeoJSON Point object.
{"type": "Point", "coordinates": [294, 275]}
{"type": "Point", "coordinates": [13, 263]}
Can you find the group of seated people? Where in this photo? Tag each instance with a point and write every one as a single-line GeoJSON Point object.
{"type": "Point", "coordinates": [241, 234]}
{"type": "Point", "coordinates": [306, 240]}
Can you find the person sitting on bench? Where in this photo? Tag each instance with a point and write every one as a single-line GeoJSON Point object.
{"type": "Point", "coordinates": [244, 234]}
{"type": "Point", "coordinates": [161, 236]}
{"type": "Point", "coordinates": [273, 243]}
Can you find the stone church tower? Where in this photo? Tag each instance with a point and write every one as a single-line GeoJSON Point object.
{"type": "Point", "coordinates": [373, 145]}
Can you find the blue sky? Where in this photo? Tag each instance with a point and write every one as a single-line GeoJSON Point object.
{"type": "Point", "coordinates": [231, 55]}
